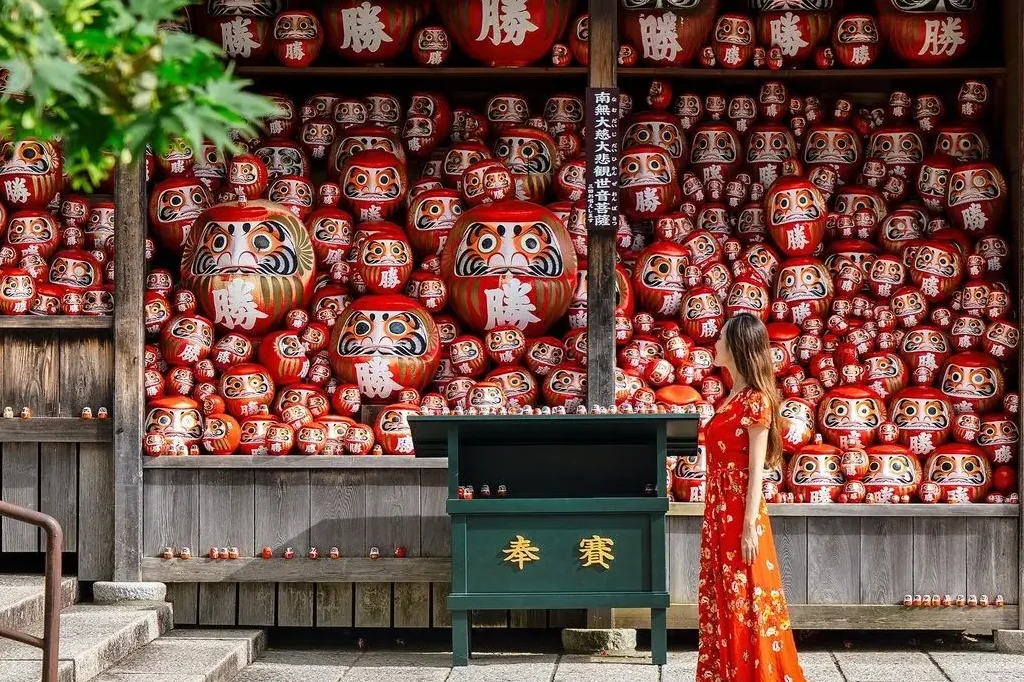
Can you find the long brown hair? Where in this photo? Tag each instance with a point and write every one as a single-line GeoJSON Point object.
{"type": "Point", "coordinates": [748, 342]}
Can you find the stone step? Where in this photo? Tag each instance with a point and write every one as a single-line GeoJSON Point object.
{"type": "Point", "coordinates": [190, 656]}
{"type": "Point", "coordinates": [93, 638]}
{"type": "Point", "coordinates": [22, 599]}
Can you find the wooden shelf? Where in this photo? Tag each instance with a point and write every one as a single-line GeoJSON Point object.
{"type": "Point", "coordinates": [294, 462]}
{"type": "Point", "coordinates": [851, 617]}
{"type": "Point", "coordinates": [56, 430]}
{"type": "Point", "coordinates": [386, 72]}
{"type": "Point", "coordinates": [958, 73]}
{"type": "Point", "coordinates": [57, 322]}
{"type": "Point", "coordinates": [298, 570]}
{"type": "Point", "coordinates": [868, 510]}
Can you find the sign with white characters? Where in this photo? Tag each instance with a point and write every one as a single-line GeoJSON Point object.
{"type": "Point", "coordinates": [603, 161]}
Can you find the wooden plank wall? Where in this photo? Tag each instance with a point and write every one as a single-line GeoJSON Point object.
{"type": "Point", "coordinates": [351, 509]}
{"type": "Point", "coordinates": [871, 560]}
{"type": "Point", "coordinates": [56, 373]}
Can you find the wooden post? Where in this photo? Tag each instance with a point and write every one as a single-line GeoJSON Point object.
{"type": "Point", "coordinates": [601, 243]}
{"type": "Point", "coordinates": [601, 254]}
{"type": "Point", "coordinates": [1014, 126]}
{"type": "Point", "coordinates": [129, 340]}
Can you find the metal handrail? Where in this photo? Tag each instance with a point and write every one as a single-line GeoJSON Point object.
{"type": "Point", "coordinates": [50, 641]}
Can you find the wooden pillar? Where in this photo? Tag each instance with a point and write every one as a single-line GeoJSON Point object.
{"type": "Point", "coordinates": [601, 243]}
{"type": "Point", "coordinates": [129, 340]}
{"type": "Point", "coordinates": [601, 253]}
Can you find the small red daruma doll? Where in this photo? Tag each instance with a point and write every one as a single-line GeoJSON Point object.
{"type": "Point", "coordinates": [486, 182]}
{"type": "Point", "coordinates": [733, 40]}
{"type": "Point", "coordinates": [431, 217]}
{"type": "Point", "coordinates": [961, 471]}
{"type": "Point", "coordinates": [284, 357]}
{"type": "Point", "coordinates": [505, 344]}
{"type": "Point", "coordinates": [373, 184]}
{"type": "Point", "coordinates": [247, 389]}
{"type": "Point", "coordinates": [468, 355]}
{"type": "Point", "coordinates": [892, 472]}
{"type": "Point", "coordinates": [186, 340]}
{"type": "Point", "coordinates": [431, 46]}
{"type": "Point", "coordinates": [977, 198]}
{"type": "Point", "coordinates": [795, 213]}
{"type": "Point", "coordinates": [298, 38]}
{"type": "Point", "coordinates": [31, 173]}
{"type": "Point", "coordinates": [359, 440]}
{"type": "Point", "coordinates": [222, 434]}
{"type": "Point", "coordinates": [566, 386]}
{"type": "Point", "coordinates": [17, 290]}
{"type": "Point", "coordinates": [815, 472]}
{"type": "Point", "coordinates": [544, 354]}
{"type": "Point", "coordinates": [254, 435]}
{"type": "Point", "coordinates": [391, 429]}
{"type": "Point", "coordinates": [176, 419]}
{"type": "Point", "coordinates": [855, 41]}
{"type": "Point", "coordinates": [647, 182]}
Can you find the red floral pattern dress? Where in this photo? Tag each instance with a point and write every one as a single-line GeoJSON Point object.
{"type": "Point", "coordinates": [745, 633]}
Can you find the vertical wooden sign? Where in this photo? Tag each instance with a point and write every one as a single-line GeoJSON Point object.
{"type": "Point", "coordinates": [603, 159]}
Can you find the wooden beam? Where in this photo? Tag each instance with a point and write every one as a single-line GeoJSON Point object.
{"type": "Point", "coordinates": [820, 75]}
{"type": "Point", "coordinates": [129, 339]}
{"type": "Point", "coordinates": [295, 462]}
{"type": "Point", "coordinates": [868, 510]}
{"type": "Point", "coordinates": [56, 430]}
{"type": "Point", "coordinates": [601, 252]}
{"type": "Point", "coordinates": [56, 322]}
{"type": "Point", "coordinates": [850, 617]}
{"type": "Point", "coordinates": [299, 570]}
{"type": "Point", "coordinates": [412, 72]}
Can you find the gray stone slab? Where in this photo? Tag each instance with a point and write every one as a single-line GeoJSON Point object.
{"type": "Point", "coordinates": [22, 599]}
{"type": "Point", "coordinates": [293, 666]}
{"type": "Point", "coordinates": [888, 666]}
{"type": "Point", "coordinates": [148, 677]}
{"type": "Point", "coordinates": [819, 666]}
{"type": "Point", "coordinates": [1010, 641]}
{"type": "Point", "coordinates": [388, 667]}
{"type": "Point", "coordinates": [255, 640]}
{"type": "Point", "coordinates": [978, 666]}
{"type": "Point", "coordinates": [94, 638]}
{"type": "Point", "coordinates": [215, 660]}
{"type": "Point", "coordinates": [605, 669]}
{"type": "Point", "coordinates": [104, 592]}
{"type": "Point", "coordinates": [596, 640]}
{"type": "Point", "coordinates": [31, 671]}
{"type": "Point", "coordinates": [681, 667]}
{"type": "Point", "coordinates": [505, 667]}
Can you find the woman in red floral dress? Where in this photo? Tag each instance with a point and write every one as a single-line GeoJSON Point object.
{"type": "Point", "coordinates": [745, 634]}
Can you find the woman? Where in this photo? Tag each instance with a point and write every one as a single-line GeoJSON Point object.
{"type": "Point", "coordinates": [745, 634]}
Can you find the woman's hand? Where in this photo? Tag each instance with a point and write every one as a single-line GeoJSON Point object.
{"type": "Point", "coordinates": [748, 544]}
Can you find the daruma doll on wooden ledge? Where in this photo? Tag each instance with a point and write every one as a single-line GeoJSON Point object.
{"type": "Point", "coordinates": [249, 264]}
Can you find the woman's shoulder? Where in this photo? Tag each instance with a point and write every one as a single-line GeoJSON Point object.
{"type": "Point", "coordinates": [756, 407]}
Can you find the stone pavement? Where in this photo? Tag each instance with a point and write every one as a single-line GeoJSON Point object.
{"type": "Point", "coordinates": [819, 666]}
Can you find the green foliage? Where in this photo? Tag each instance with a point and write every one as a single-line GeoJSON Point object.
{"type": "Point", "coordinates": [104, 77]}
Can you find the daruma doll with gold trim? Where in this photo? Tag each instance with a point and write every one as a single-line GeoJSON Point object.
{"type": "Point", "coordinates": [505, 33]}
{"type": "Point", "coordinates": [384, 344]}
{"type": "Point", "coordinates": [510, 262]}
{"type": "Point", "coordinates": [249, 264]}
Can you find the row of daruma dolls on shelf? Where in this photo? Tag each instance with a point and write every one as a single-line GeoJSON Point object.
{"type": "Point", "coordinates": [56, 253]}
{"type": "Point", "coordinates": [507, 34]}
{"type": "Point", "coordinates": [957, 472]}
{"type": "Point", "coordinates": [791, 34]}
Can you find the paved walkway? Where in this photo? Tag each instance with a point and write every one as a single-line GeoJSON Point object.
{"type": "Point", "coordinates": [819, 666]}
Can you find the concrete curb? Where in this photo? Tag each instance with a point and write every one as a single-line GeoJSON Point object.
{"type": "Point", "coordinates": [1009, 641]}
{"type": "Point", "coordinates": [111, 592]}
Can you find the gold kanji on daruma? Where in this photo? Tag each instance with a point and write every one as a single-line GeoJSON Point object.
{"type": "Point", "coordinates": [521, 551]}
{"type": "Point", "coordinates": [595, 551]}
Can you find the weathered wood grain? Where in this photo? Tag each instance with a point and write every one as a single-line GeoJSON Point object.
{"type": "Point", "coordinates": [226, 519]}
{"type": "Point", "coordinates": [129, 340]}
{"type": "Point", "coordinates": [791, 551]}
{"type": "Point", "coordinates": [848, 617]}
{"type": "Point", "coordinates": [87, 379]}
{"type": "Point", "coordinates": [436, 538]}
{"type": "Point", "coordinates": [337, 507]}
{"type": "Point", "coordinates": [833, 561]}
{"type": "Point", "coordinates": [683, 558]}
{"type": "Point", "coordinates": [58, 489]}
{"type": "Point", "coordinates": [295, 462]}
{"type": "Point", "coordinates": [440, 616]}
{"type": "Point", "coordinates": [940, 556]}
{"type": "Point", "coordinates": [411, 605]}
{"type": "Point", "coordinates": [171, 519]}
{"type": "Point", "coordinates": [887, 560]}
{"type": "Point", "coordinates": [992, 558]}
{"type": "Point", "coordinates": [35, 323]}
{"type": "Point", "coordinates": [56, 430]}
{"type": "Point", "coordinates": [19, 484]}
{"type": "Point", "coordinates": [282, 520]}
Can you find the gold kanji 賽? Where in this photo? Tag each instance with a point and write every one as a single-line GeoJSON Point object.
{"type": "Point", "coordinates": [595, 551]}
{"type": "Point", "coordinates": [521, 551]}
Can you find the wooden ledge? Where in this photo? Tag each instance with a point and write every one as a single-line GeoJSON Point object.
{"type": "Point", "coordinates": [298, 570]}
{"type": "Point", "coordinates": [357, 72]}
{"type": "Point", "coordinates": [56, 430]}
{"type": "Point", "coordinates": [901, 73]}
{"type": "Point", "coordinates": [294, 462]}
{"type": "Point", "coordinates": [868, 510]}
{"type": "Point", "coordinates": [57, 322]}
{"type": "Point", "coordinates": [850, 617]}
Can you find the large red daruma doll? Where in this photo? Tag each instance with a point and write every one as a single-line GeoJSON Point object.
{"type": "Point", "coordinates": [961, 471]}
{"type": "Point", "coordinates": [930, 33]}
{"type": "Point", "coordinates": [500, 33]}
{"type": "Point", "coordinates": [249, 264]}
{"type": "Point", "coordinates": [370, 32]}
{"type": "Point", "coordinates": [383, 344]}
{"type": "Point", "coordinates": [510, 262]}
{"type": "Point", "coordinates": [669, 37]}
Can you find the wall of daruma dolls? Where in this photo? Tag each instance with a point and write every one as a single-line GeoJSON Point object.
{"type": "Point", "coordinates": [426, 252]}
